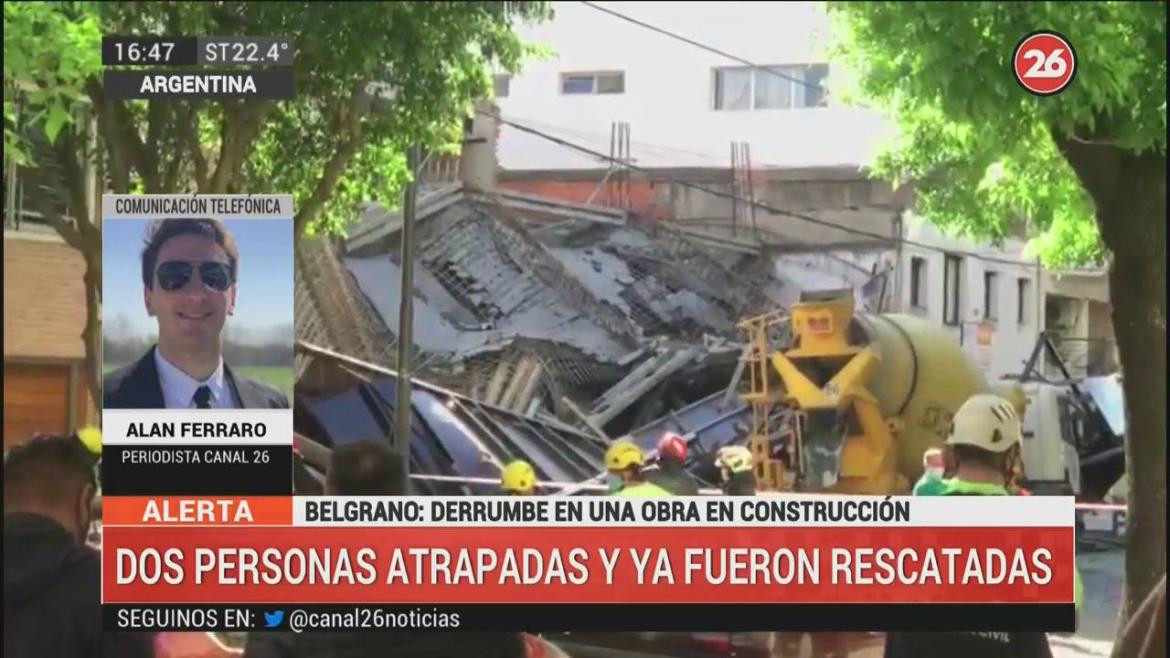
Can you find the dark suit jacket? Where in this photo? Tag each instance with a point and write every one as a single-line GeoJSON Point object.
{"type": "Point", "coordinates": [137, 387]}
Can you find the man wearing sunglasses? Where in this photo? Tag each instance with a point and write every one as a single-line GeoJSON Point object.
{"type": "Point", "coordinates": [189, 270]}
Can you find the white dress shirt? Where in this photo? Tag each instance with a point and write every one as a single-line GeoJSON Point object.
{"type": "Point", "coordinates": [179, 388]}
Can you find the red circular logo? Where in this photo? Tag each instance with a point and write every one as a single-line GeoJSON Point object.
{"type": "Point", "coordinates": [1044, 63]}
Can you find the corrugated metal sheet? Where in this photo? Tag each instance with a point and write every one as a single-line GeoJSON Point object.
{"type": "Point", "coordinates": [454, 435]}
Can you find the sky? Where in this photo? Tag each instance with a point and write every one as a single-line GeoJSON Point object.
{"type": "Point", "coordinates": [264, 296]}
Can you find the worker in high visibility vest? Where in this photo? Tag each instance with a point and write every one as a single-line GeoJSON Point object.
{"type": "Point", "coordinates": [624, 461]}
{"type": "Point", "coordinates": [983, 444]}
{"type": "Point", "coordinates": [518, 478]}
{"type": "Point", "coordinates": [933, 467]}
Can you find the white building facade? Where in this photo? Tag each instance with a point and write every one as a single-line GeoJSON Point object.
{"type": "Point", "coordinates": [685, 105]}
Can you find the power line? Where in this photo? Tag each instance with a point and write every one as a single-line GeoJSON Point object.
{"type": "Point", "coordinates": [646, 146]}
{"type": "Point", "coordinates": [757, 204]}
{"type": "Point", "coordinates": [697, 44]}
{"type": "Point", "coordinates": [593, 137]}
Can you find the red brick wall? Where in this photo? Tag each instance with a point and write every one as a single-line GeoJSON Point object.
{"type": "Point", "coordinates": [44, 315]}
{"type": "Point", "coordinates": [44, 301]}
{"type": "Point", "coordinates": [646, 197]}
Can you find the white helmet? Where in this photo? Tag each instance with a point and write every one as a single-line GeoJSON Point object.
{"type": "Point", "coordinates": [734, 459]}
{"type": "Point", "coordinates": [988, 422]}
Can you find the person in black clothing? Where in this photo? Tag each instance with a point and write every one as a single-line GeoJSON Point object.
{"type": "Point", "coordinates": [304, 483]}
{"type": "Point", "coordinates": [52, 580]}
{"type": "Point", "coordinates": [365, 468]}
{"type": "Point", "coordinates": [370, 468]}
{"type": "Point", "coordinates": [670, 472]}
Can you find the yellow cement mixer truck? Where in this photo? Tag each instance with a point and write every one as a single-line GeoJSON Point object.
{"type": "Point", "coordinates": [867, 394]}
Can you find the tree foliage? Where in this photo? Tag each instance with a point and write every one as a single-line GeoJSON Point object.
{"type": "Point", "coordinates": [335, 144]}
{"type": "Point", "coordinates": [49, 77]}
{"type": "Point", "coordinates": [1084, 169]}
{"type": "Point", "coordinates": [982, 153]}
{"type": "Point", "coordinates": [339, 142]}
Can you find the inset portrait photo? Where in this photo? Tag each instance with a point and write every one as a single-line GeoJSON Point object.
{"type": "Point", "coordinates": [197, 313]}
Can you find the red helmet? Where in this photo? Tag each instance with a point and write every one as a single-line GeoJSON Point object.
{"type": "Point", "coordinates": [672, 446]}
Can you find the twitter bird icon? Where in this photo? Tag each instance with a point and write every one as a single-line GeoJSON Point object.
{"type": "Point", "coordinates": [273, 619]}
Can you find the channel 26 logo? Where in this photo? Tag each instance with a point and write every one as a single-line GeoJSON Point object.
{"type": "Point", "coordinates": [1044, 63]}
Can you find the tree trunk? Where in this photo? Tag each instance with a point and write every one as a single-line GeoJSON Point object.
{"type": "Point", "coordinates": [1129, 192]}
{"type": "Point", "coordinates": [1137, 287]}
{"type": "Point", "coordinates": [92, 335]}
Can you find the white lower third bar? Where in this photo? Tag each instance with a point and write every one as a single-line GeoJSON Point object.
{"type": "Point", "coordinates": [197, 426]}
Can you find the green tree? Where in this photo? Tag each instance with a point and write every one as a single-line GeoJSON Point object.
{"type": "Point", "coordinates": [1084, 171]}
{"type": "Point", "coordinates": [371, 79]}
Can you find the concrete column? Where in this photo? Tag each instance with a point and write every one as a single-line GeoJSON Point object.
{"type": "Point", "coordinates": [477, 161]}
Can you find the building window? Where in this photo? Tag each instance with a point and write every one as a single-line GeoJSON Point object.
{"type": "Point", "coordinates": [771, 87]}
{"type": "Point", "coordinates": [1023, 300]}
{"type": "Point", "coordinates": [918, 282]}
{"type": "Point", "coordinates": [502, 84]}
{"type": "Point", "coordinates": [990, 296]}
{"type": "Point", "coordinates": [951, 297]}
{"type": "Point", "coordinates": [593, 83]}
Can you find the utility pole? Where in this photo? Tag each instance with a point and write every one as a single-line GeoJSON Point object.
{"type": "Point", "coordinates": [403, 411]}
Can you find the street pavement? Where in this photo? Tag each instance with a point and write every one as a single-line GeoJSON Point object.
{"type": "Point", "coordinates": [1103, 573]}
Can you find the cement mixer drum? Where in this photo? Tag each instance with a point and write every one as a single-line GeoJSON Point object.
{"type": "Point", "coordinates": [922, 377]}
{"type": "Point", "coordinates": [874, 392]}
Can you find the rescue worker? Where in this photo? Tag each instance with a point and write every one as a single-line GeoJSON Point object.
{"type": "Point", "coordinates": [735, 467]}
{"type": "Point", "coordinates": [518, 478]}
{"type": "Point", "coordinates": [931, 482]}
{"type": "Point", "coordinates": [985, 467]}
{"type": "Point", "coordinates": [670, 472]}
{"type": "Point", "coordinates": [984, 442]}
{"type": "Point", "coordinates": [624, 461]}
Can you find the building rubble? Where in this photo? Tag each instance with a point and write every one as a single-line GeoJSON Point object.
{"type": "Point", "coordinates": [543, 329]}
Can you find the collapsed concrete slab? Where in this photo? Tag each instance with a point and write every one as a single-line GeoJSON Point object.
{"type": "Point", "coordinates": [520, 300]}
{"type": "Point", "coordinates": [556, 310]}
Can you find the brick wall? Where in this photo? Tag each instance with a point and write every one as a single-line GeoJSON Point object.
{"type": "Point", "coordinates": [647, 198]}
{"type": "Point", "coordinates": [842, 196]}
{"type": "Point", "coordinates": [44, 301]}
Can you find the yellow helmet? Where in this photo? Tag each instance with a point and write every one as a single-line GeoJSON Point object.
{"type": "Point", "coordinates": [91, 438]}
{"type": "Point", "coordinates": [622, 455]}
{"type": "Point", "coordinates": [518, 477]}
